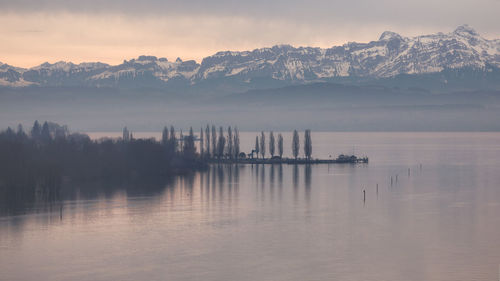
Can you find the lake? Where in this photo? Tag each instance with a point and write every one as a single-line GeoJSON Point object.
{"type": "Point", "coordinates": [439, 220]}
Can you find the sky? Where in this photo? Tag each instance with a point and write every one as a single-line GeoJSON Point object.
{"type": "Point", "coordinates": [37, 31]}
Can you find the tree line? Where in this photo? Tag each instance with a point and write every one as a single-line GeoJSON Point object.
{"type": "Point", "coordinates": [225, 144]}
{"type": "Point", "coordinates": [214, 144]}
{"type": "Point", "coordinates": [35, 162]}
{"type": "Point", "coordinates": [260, 145]}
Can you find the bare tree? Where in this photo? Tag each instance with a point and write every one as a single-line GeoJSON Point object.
{"type": "Point", "coordinates": [207, 140]}
{"type": "Point", "coordinates": [181, 141]}
{"type": "Point", "coordinates": [295, 144]}
{"type": "Point", "coordinates": [164, 136]}
{"type": "Point", "coordinates": [271, 144]}
{"type": "Point", "coordinates": [202, 144]}
{"type": "Point", "coordinates": [236, 143]}
{"type": "Point", "coordinates": [257, 146]}
{"type": "Point", "coordinates": [214, 141]}
{"type": "Point", "coordinates": [173, 140]}
{"type": "Point", "coordinates": [262, 144]}
{"type": "Point", "coordinates": [221, 143]}
{"type": "Point", "coordinates": [230, 142]}
{"type": "Point", "coordinates": [189, 148]}
{"type": "Point", "coordinates": [307, 144]}
{"type": "Point", "coordinates": [280, 145]}
{"type": "Point", "coordinates": [125, 137]}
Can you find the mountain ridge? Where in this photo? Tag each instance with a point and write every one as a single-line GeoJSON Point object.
{"type": "Point", "coordinates": [388, 57]}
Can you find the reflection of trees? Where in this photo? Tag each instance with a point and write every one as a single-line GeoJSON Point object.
{"type": "Point", "coordinates": [295, 175]}
{"type": "Point", "coordinates": [33, 167]}
{"type": "Point", "coordinates": [307, 181]}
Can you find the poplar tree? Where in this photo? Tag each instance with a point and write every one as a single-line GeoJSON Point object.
{"type": "Point", "coordinates": [221, 143]}
{"type": "Point", "coordinates": [173, 140]}
{"type": "Point", "coordinates": [236, 143]}
{"type": "Point", "coordinates": [280, 145]}
{"type": "Point", "coordinates": [230, 142]}
{"type": "Point", "coordinates": [189, 148]}
{"type": "Point", "coordinates": [207, 140]}
{"type": "Point", "coordinates": [214, 141]}
{"type": "Point", "coordinates": [271, 144]}
{"type": "Point", "coordinates": [164, 136]}
{"type": "Point", "coordinates": [257, 146]}
{"type": "Point", "coordinates": [181, 141]}
{"type": "Point", "coordinates": [202, 144]}
{"type": "Point", "coordinates": [295, 144]}
{"type": "Point", "coordinates": [262, 144]}
{"type": "Point", "coordinates": [307, 144]}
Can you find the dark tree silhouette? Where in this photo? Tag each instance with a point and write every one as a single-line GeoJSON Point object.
{"type": "Point", "coordinates": [295, 144]}
{"type": "Point", "coordinates": [207, 140]}
{"type": "Point", "coordinates": [214, 142]}
{"type": "Point", "coordinates": [271, 144]}
{"type": "Point", "coordinates": [125, 134]}
{"type": "Point", "coordinates": [230, 142]}
{"type": "Point", "coordinates": [262, 144]}
{"type": "Point", "coordinates": [20, 130]}
{"type": "Point", "coordinates": [280, 145]}
{"type": "Point", "coordinates": [257, 146]}
{"type": "Point", "coordinates": [181, 141]}
{"type": "Point", "coordinates": [173, 141]}
{"type": "Point", "coordinates": [221, 143]}
{"type": "Point", "coordinates": [236, 142]}
{"type": "Point", "coordinates": [189, 149]}
{"type": "Point", "coordinates": [36, 131]}
{"type": "Point", "coordinates": [32, 169]}
{"type": "Point", "coordinates": [164, 136]}
{"type": "Point", "coordinates": [307, 144]}
{"type": "Point", "coordinates": [202, 145]}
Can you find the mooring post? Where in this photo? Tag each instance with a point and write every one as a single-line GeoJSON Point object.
{"type": "Point", "coordinates": [396, 178]}
{"type": "Point", "coordinates": [364, 195]}
{"type": "Point", "coordinates": [391, 180]}
{"type": "Point", "coordinates": [408, 172]}
{"type": "Point", "coordinates": [377, 188]}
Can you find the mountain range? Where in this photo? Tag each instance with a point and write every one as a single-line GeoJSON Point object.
{"type": "Point", "coordinates": [392, 56]}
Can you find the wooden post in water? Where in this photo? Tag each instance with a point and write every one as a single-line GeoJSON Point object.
{"type": "Point", "coordinates": [396, 178]}
{"type": "Point", "coordinates": [377, 188]}
{"type": "Point", "coordinates": [364, 195]}
{"type": "Point", "coordinates": [408, 172]}
{"type": "Point", "coordinates": [391, 180]}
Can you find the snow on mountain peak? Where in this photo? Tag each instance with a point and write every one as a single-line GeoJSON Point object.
{"type": "Point", "coordinates": [387, 35]}
{"type": "Point", "coordinates": [391, 55]}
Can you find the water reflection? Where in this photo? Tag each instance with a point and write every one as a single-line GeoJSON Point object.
{"type": "Point", "coordinates": [295, 183]}
{"type": "Point", "coordinates": [292, 222]}
{"type": "Point", "coordinates": [307, 182]}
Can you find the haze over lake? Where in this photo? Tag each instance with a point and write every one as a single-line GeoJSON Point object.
{"type": "Point", "coordinates": [280, 222]}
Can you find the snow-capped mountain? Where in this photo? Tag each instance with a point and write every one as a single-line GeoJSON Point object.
{"type": "Point", "coordinates": [389, 56]}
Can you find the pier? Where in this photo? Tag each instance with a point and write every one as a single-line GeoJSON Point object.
{"type": "Point", "coordinates": [342, 159]}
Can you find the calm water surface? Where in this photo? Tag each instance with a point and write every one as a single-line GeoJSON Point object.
{"type": "Point", "coordinates": [442, 222]}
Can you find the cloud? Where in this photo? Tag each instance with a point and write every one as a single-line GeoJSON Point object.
{"type": "Point", "coordinates": [113, 30]}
